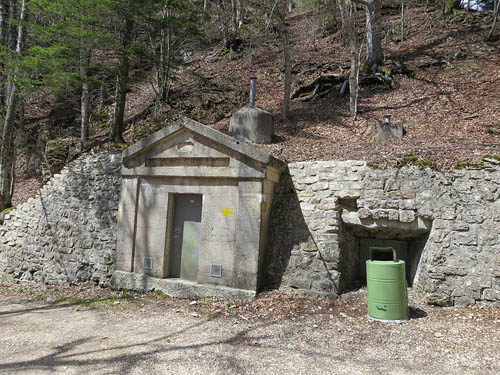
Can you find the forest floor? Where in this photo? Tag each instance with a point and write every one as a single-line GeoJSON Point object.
{"type": "Point", "coordinates": [77, 330]}
{"type": "Point", "coordinates": [450, 107]}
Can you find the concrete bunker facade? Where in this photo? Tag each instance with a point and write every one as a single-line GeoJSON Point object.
{"type": "Point", "coordinates": [193, 214]}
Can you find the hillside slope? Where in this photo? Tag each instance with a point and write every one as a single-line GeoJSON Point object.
{"type": "Point", "coordinates": [450, 107]}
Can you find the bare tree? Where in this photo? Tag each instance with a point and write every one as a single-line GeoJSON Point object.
{"type": "Point", "coordinates": [4, 27]}
{"type": "Point", "coordinates": [353, 73]}
{"type": "Point", "coordinates": [402, 21]}
{"type": "Point", "coordinates": [7, 153]}
{"type": "Point", "coordinates": [85, 97]}
{"type": "Point", "coordinates": [374, 52]}
{"type": "Point", "coordinates": [279, 11]}
{"type": "Point", "coordinates": [288, 72]}
{"type": "Point", "coordinates": [495, 18]}
{"type": "Point", "coordinates": [236, 16]}
{"type": "Point", "coordinates": [118, 125]}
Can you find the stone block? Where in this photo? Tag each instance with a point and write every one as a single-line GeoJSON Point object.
{"type": "Point", "coordinates": [406, 216]}
{"type": "Point", "coordinates": [464, 301]}
{"type": "Point", "coordinates": [393, 215]}
{"type": "Point", "coordinates": [382, 131]}
{"type": "Point", "coordinates": [252, 125]}
{"type": "Point", "coordinates": [380, 214]}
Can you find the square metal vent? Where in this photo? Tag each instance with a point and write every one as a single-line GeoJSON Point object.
{"type": "Point", "coordinates": [216, 270]}
{"type": "Point", "coordinates": [148, 263]}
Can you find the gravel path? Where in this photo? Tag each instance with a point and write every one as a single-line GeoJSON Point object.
{"type": "Point", "coordinates": [149, 338]}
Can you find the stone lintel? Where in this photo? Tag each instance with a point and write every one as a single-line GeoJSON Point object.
{"type": "Point", "coordinates": [416, 227]}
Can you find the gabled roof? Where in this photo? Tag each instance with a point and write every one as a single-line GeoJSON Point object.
{"type": "Point", "coordinates": [200, 129]}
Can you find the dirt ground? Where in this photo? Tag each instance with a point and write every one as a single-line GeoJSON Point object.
{"type": "Point", "coordinates": [98, 331]}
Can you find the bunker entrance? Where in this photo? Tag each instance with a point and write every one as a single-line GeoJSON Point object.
{"type": "Point", "coordinates": [354, 253]}
{"type": "Point", "coordinates": [184, 249]}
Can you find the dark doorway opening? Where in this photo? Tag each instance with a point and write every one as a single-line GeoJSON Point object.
{"type": "Point", "coordinates": [354, 254]}
{"type": "Point", "coordinates": [185, 233]}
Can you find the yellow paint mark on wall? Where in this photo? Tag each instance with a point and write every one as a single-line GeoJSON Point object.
{"type": "Point", "coordinates": [226, 211]}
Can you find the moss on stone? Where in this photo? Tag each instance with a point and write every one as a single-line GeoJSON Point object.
{"type": "Point", "coordinates": [471, 164]}
{"type": "Point", "coordinates": [372, 165]}
{"type": "Point", "coordinates": [386, 70]}
{"type": "Point", "coordinates": [56, 154]}
{"type": "Point", "coordinates": [7, 209]}
{"type": "Point", "coordinates": [413, 160]}
{"type": "Point", "coordinates": [492, 157]}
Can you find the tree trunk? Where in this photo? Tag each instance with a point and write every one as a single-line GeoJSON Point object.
{"type": "Point", "coordinates": [85, 113]}
{"type": "Point", "coordinates": [4, 20]}
{"type": "Point", "coordinates": [4, 27]}
{"type": "Point", "coordinates": [286, 52]}
{"type": "Point", "coordinates": [402, 21]}
{"type": "Point", "coordinates": [118, 125]}
{"type": "Point", "coordinates": [495, 17]}
{"type": "Point", "coordinates": [374, 52]}
{"type": "Point", "coordinates": [12, 28]}
{"type": "Point", "coordinates": [353, 76]}
{"type": "Point", "coordinates": [7, 150]}
{"type": "Point", "coordinates": [239, 12]}
{"type": "Point", "coordinates": [234, 17]}
{"type": "Point", "coordinates": [7, 136]}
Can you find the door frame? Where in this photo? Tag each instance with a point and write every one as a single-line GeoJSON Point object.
{"type": "Point", "coordinates": [169, 239]}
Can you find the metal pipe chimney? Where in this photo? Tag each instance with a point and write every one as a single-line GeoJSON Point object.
{"type": "Point", "coordinates": [253, 85]}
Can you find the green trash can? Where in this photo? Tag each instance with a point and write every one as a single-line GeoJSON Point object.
{"type": "Point", "coordinates": [386, 285]}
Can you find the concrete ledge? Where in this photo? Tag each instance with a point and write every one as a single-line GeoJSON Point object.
{"type": "Point", "coordinates": [175, 287]}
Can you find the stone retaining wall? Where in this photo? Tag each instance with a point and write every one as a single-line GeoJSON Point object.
{"type": "Point", "coordinates": [323, 214]}
{"type": "Point", "coordinates": [67, 233]}
{"type": "Point", "coordinates": [449, 224]}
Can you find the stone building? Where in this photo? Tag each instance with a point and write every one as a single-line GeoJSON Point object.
{"type": "Point", "coordinates": [190, 182]}
{"type": "Point", "coordinates": [194, 212]}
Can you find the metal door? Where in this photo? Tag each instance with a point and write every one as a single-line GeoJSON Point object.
{"type": "Point", "coordinates": [185, 246]}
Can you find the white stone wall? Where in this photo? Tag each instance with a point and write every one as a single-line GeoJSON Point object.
{"type": "Point", "coordinates": [314, 223]}
{"type": "Point", "coordinates": [66, 233]}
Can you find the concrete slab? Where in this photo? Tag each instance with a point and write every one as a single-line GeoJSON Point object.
{"type": "Point", "coordinates": [176, 287]}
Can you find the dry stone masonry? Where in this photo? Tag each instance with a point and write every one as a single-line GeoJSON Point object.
{"type": "Point", "coordinates": [66, 233]}
{"type": "Point", "coordinates": [445, 225]}
{"type": "Point", "coordinates": [325, 215]}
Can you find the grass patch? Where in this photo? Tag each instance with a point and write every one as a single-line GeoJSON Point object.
{"type": "Point", "coordinates": [79, 301]}
{"type": "Point", "coordinates": [207, 315]}
{"type": "Point", "coordinates": [465, 164]}
{"type": "Point", "coordinates": [413, 160]}
{"type": "Point", "coordinates": [159, 293]}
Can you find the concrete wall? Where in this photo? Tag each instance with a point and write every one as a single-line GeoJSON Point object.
{"type": "Point", "coordinates": [450, 221]}
{"type": "Point", "coordinates": [66, 233]}
{"type": "Point", "coordinates": [237, 194]}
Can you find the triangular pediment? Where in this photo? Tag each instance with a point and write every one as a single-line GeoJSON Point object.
{"type": "Point", "coordinates": [189, 143]}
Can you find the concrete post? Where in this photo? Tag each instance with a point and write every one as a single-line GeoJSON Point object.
{"type": "Point", "coordinates": [253, 85]}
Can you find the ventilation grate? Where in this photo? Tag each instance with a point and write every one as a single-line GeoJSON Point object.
{"type": "Point", "coordinates": [216, 270]}
{"type": "Point", "coordinates": [148, 263]}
